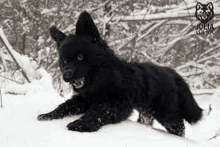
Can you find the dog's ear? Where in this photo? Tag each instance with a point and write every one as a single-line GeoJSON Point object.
{"type": "Point", "coordinates": [198, 5]}
{"type": "Point", "coordinates": [57, 35]}
{"type": "Point", "coordinates": [210, 5]}
{"type": "Point", "coordinates": [86, 26]}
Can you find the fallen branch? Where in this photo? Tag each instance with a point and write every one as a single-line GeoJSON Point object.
{"type": "Point", "coordinates": [213, 137]}
{"type": "Point", "coordinates": [10, 50]}
{"type": "Point", "coordinates": [22, 61]}
{"type": "Point", "coordinates": [204, 92]}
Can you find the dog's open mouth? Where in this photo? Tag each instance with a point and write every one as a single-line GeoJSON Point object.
{"type": "Point", "coordinates": [78, 83]}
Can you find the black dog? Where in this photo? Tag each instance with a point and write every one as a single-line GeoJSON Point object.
{"type": "Point", "coordinates": [110, 88]}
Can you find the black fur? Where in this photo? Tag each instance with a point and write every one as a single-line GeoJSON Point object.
{"type": "Point", "coordinates": [110, 88]}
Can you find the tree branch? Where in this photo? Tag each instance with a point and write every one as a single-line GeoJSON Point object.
{"type": "Point", "coordinates": [152, 29]}
{"type": "Point", "coordinates": [10, 50]}
{"type": "Point", "coordinates": [209, 57]}
{"type": "Point", "coordinates": [190, 64]}
{"type": "Point", "coordinates": [210, 50]}
{"type": "Point", "coordinates": [172, 43]}
{"type": "Point", "coordinates": [161, 16]}
{"type": "Point", "coordinates": [22, 62]}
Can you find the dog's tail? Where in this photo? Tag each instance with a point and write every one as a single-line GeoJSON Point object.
{"type": "Point", "coordinates": [190, 110]}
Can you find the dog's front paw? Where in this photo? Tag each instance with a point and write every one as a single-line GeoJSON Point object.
{"type": "Point", "coordinates": [83, 126]}
{"type": "Point", "coordinates": [45, 117]}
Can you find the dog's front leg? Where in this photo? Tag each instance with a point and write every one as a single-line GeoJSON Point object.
{"type": "Point", "coordinates": [99, 115]}
{"type": "Point", "coordinates": [75, 105]}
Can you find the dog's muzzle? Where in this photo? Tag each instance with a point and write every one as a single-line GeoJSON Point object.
{"type": "Point", "coordinates": [67, 75]}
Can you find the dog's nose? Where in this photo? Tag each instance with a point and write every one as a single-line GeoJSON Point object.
{"type": "Point", "coordinates": [67, 75]}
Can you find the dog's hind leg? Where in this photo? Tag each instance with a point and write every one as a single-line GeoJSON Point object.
{"type": "Point", "coordinates": [73, 106]}
{"type": "Point", "coordinates": [174, 126]}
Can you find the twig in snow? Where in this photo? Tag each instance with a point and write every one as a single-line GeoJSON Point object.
{"type": "Point", "coordinates": [213, 137]}
{"type": "Point", "coordinates": [210, 109]}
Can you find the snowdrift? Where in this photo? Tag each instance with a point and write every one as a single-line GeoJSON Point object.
{"type": "Point", "coordinates": [20, 127]}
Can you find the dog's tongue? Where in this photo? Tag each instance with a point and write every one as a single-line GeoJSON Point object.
{"type": "Point", "coordinates": [78, 83]}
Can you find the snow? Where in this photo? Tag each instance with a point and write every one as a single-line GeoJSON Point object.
{"type": "Point", "coordinates": [20, 127]}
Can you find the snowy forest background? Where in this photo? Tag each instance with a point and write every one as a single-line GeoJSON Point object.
{"type": "Point", "coordinates": [158, 31]}
{"type": "Point", "coordinates": [161, 31]}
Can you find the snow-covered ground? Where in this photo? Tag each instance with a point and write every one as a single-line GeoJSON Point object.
{"type": "Point", "coordinates": [19, 126]}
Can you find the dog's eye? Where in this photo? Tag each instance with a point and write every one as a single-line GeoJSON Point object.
{"type": "Point", "coordinates": [80, 57]}
{"type": "Point", "coordinates": [65, 61]}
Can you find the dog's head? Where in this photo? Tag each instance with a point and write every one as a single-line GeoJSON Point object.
{"type": "Point", "coordinates": [81, 54]}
